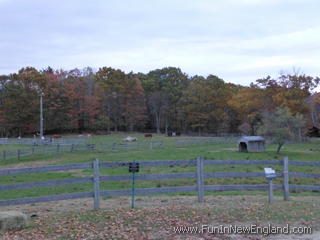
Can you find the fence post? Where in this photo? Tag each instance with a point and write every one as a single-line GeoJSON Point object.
{"type": "Point", "coordinates": [200, 179]}
{"type": "Point", "coordinates": [114, 147]}
{"type": "Point", "coordinates": [96, 184]}
{"type": "Point", "coordinates": [285, 178]}
{"type": "Point", "coordinates": [18, 154]}
{"type": "Point", "coordinates": [270, 191]}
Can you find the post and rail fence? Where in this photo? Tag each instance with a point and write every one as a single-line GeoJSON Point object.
{"type": "Point", "coordinates": [199, 175]}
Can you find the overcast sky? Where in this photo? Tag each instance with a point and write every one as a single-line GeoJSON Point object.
{"type": "Point", "coordinates": [237, 40]}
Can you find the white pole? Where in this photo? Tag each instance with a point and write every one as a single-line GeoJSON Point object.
{"type": "Point", "coordinates": [41, 115]}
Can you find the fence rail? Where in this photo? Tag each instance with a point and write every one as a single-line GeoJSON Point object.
{"type": "Point", "coordinates": [199, 175]}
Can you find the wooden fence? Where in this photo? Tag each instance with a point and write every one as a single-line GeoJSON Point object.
{"type": "Point", "coordinates": [200, 175]}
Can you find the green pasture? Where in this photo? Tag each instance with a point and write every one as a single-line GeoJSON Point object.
{"type": "Point", "coordinates": [309, 151]}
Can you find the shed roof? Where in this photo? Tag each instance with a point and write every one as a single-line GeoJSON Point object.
{"type": "Point", "coordinates": [251, 139]}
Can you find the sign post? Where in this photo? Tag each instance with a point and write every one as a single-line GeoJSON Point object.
{"type": "Point", "coordinates": [133, 168]}
{"type": "Point", "coordinates": [270, 175]}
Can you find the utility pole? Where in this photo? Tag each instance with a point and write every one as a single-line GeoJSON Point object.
{"type": "Point", "coordinates": [41, 115]}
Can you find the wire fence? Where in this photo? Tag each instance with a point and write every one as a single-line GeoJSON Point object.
{"type": "Point", "coordinates": [63, 148]}
{"type": "Point", "coordinates": [46, 141]}
{"type": "Point", "coordinates": [227, 135]}
{"type": "Point", "coordinates": [205, 141]}
{"type": "Point", "coordinates": [54, 146]}
{"type": "Point", "coordinates": [116, 147]}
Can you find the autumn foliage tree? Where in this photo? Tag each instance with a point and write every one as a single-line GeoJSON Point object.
{"type": "Point", "coordinates": [248, 102]}
{"type": "Point", "coordinates": [164, 89]}
{"type": "Point", "coordinates": [109, 99]}
{"type": "Point", "coordinates": [205, 104]}
{"type": "Point", "coordinates": [287, 91]}
{"type": "Point", "coordinates": [134, 106]}
{"type": "Point", "coordinates": [20, 106]}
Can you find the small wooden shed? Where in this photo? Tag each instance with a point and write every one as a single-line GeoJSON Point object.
{"type": "Point", "coordinates": [252, 144]}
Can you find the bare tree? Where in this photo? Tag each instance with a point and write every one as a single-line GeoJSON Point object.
{"type": "Point", "coordinates": [159, 105]}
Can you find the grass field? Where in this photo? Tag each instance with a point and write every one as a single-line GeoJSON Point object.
{"type": "Point", "coordinates": [303, 151]}
{"type": "Point", "coordinates": [156, 216]}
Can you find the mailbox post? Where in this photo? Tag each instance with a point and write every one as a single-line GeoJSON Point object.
{"type": "Point", "coordinates": [270, 175]}
{"type": "Point", "coordinates": [133, 168]}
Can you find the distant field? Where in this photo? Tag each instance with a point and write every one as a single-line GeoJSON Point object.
{"type": "Point", "coordinates": [303, 151]}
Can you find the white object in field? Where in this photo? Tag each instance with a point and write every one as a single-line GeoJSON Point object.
{"type": "Point", "coordinates": [130, 139]}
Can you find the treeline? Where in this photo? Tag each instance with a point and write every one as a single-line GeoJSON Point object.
{"type": "Point", "coordinates": [164, 99]}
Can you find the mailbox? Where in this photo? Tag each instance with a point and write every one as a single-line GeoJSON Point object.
{"type": "Point", "coordinates": [270, 173]}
